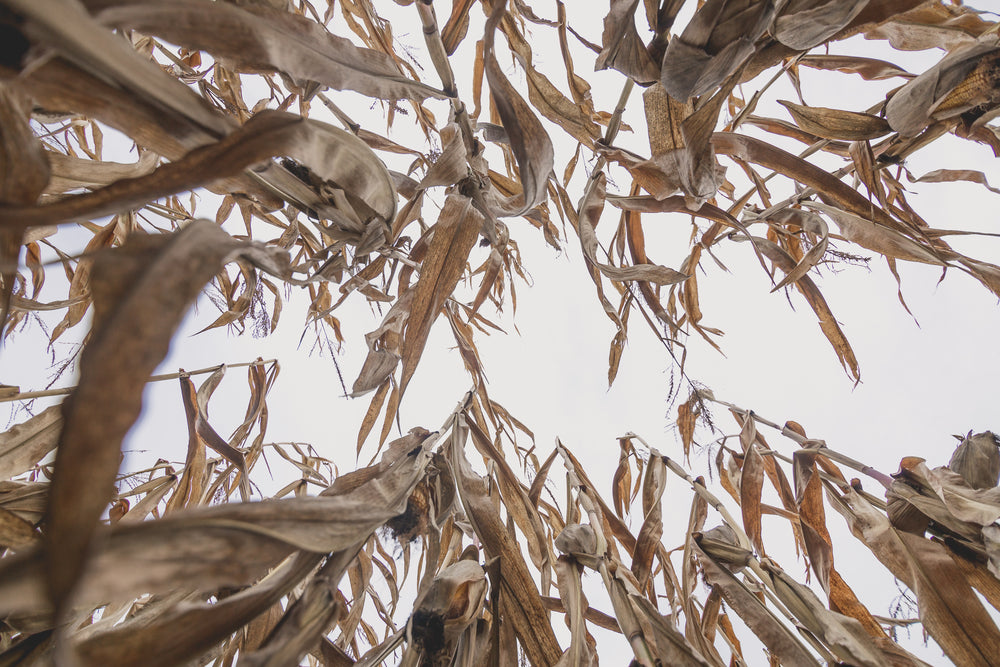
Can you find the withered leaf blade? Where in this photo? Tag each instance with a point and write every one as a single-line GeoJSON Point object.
{"type": "Point", "coordinates": [868, 234]}
{"type": "Point", "coordinates": [256, 37]}
{"type": "Point", "coordinates": [333, 154]}
{"type": "Point", "coordinates": [528, 139]}
{"type": "Point", "coordinates": [454, 237]}
{"type": "Point", "coordinates": [622, 49]}
{"type": "Point", "coordinates": [943, 90]}
{"type": "Point", "coordinates": [24, 173]}
{"type": "Point", "coordinates": [65, 26]}
{"type": "Point", "coordinates": [843, 634]}
{"type": "Point", "coordinates": [27, 443]}
{"type": "Point", "coordinates": [949, 609]}
{"type": "Point", "coordinates": [802, 24]}
{"type": "Point", "coordinates": [717, 40]}
{"type": "Point", "coordinates": [837, 124]}
{"type": "Point", "coordinates": [951, 175]}
{"type": "Point", "coordinates": [810, 222]}
{"type": "Point", "coordinates": [520, 602]}
{"type": "Point", "coordinates": [977, 460]}
{"type": "Point", "coordinates": [141, 292]}
{"type": "Point", "coordinates": [827, 322]}
{"type": "Point", "coordinates": [591, 207]}
{"type": "Point", "coordinates": [231, 544]}
{"type": "Point", "coordinates": [778, 638]}
{"type": "Point", "coordinates": [870, 69]}
{"type": "Point", "coordinates": [70, 173]}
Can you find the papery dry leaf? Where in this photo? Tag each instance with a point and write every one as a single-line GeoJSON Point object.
{"type": "Point", "coordinates": [457, 27]}
{"type": "Point", "coordinates": [141, 292]}
{"type": "Point", "coordinates": [812, 515]}
{"type": "Point", "coordinates": [334, 155]}
{"type": "Point", "coordinates": [717, 40]}
{"type": "Point", "coordinates": [951, 175]}
{"type": "Point", "coordinates": [776, 637]}
{"type": "Point", "coordinates": [229, 544]}
{"type": "Point", "coordinates": [24, 445]}
{"type": "Point", "coordinates": [24, 173]}
{"type": "Point", "coordinates": [873, 236]}
{"type": "Point", "coordinates": [949, 609]}
{"type": "Point", "coordinates": [192, 483]}
{"type": "Point", "coordinates": [454, 237]}
{"type": "Point", "coordinates": [70, 173]}
{"type": "Point", "coordinates": [813, 224]}
{"type": "Point", "coordinates": [591, 207]}
{"type": "Point", "coordinates": [827, 322]}
{"type": "Point", "coordinates": [529, 141]}
{"type": "Point", "coordinates": [837, 124]}
{"type": "Point", "coordinates": [257, 37]}
{"type": "Point", "coordinates": [654, 483]}
{"type": "Point", "coordinates": [751, 485]}
{"type": "Point", "coordinates": [575, 117]}
{"type": "Point", "coordinates": [869, 69]}
{"type": "Point", "coordinates": [574, 602]}
{"type": "Point", "coordinates": [520, 603]}
{"type": "Point", "coordinates": [929, 96]}
{"type": "Point", "coordinates": [844, 635]}
{"type": "Point", "coordinates": [977, 460]}
{"type": "Point", "coordinates": [803, 24]}
{"type": "Point", "coordinates": [915, 26]}
{"type": "Point", "coordinates": [622, 49]}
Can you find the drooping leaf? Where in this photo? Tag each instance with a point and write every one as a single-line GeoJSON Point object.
{"type": "Point", "coordinates": [717, 40]}
{"type": "Point", "coordinates": [140, 298]}
{"type": "Point", "coordinates": [837, 124]}
{"type": "Point", "coordinates": [802, 24]}
{"type": "Point", "coordinates": [259, 37]}
{"type": "Point", "coordinates": [529, 141]}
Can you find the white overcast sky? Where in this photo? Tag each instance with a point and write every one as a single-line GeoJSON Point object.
{"type": "Point", "coordinates": [920, 384]}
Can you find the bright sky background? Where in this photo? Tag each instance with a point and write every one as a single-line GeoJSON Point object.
{"type": "Point", "coordinates": [920, 384]}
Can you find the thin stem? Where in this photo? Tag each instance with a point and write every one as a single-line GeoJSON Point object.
{"type": "Point", "coordinates": [64, 391]}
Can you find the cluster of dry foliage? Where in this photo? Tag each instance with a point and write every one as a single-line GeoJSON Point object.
{"type": "Point", "coordinates": [158, 567]}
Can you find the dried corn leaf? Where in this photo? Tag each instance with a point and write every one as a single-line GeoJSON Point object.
{"type": "Point", "coordinates": [831, 189]}
{"type": "Point", "coordinates": [977, 460]}
{"type": "Point", "coordinates": [715, 43]}
{"type": "Point", "coordinates": [226, 545]}
{"type": "Point", "coordinates": [803, 24]}
{"type": "Point", "coordinates": [949, 609]}
{"type": "Point", "coordinates": [778, 639]}
{"type": "Point", "coordinates": [837, 124]}
{"type": "Point", "coordinates": [951, 175]}
{"type": "Point", "coordinates": [334, 155]}
{"type": "Point", "coordinates": [529, 141]}
{"type": "Point", "coordinates": [24, 445]}
{"type": "Point", "coordinates": [622, 49]}
{"type": "Point", "coordinates": [453, 238]}
{"type": "Point", "coordinates": [654, 483]}
{"type": "Point", "coordinates": [24, 173]}
{"type": "Point", "coordinates": [574, 602]}
{"type": "Point", "coordinates": [844, 635]}
{"type": "Point", "coordinates": [519, 602]}
{"type": "Point", "coordinates": [591, 207]}
{"type": "Point", "coordinates": [809, 222]}
{"type": "Point", "coordinates": [929, 96]}
{"type": "Point", "coordinates": [873, 236]}
{"type": "Point", "coordinates": [257, 37]}
{"type": "Point", "coordinates": [870, 69]}
{"type": "Point", "coordinates": [915, 25]}
{"type": "Point", "coordinates": [827, 321]}
{"type": "Point", "coordinates": [140, 297]}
